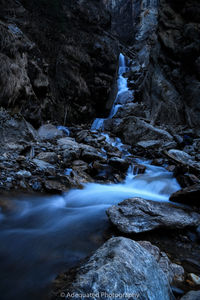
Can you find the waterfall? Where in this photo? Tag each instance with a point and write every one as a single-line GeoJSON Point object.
{"type": "Point", "coordinates": [122, 88]}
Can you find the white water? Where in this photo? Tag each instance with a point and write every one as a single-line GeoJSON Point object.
{"type": "Point", "coordinates": [122, 88]}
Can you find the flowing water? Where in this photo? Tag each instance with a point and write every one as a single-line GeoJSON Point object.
{"type": "Point", "coordinates": [41, 237]}
{"type": "Point", "coordinates": [122, 87]}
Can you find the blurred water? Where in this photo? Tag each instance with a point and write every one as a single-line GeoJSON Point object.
{"type": "Point", "coordinates": [40, 237]}
{"type": "Point", "coordinates": [98, 123]}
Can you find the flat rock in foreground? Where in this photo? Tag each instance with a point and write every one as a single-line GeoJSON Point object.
{"type": "Point", "coordinates": [120, 269]}
{"type": "Point", "coordinates": [138, 215]}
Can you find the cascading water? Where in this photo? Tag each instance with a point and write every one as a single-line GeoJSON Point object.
{"type": "Point", "coordinates": [122, 88]}
{"type": "Point", "coordinates": [41, 237]}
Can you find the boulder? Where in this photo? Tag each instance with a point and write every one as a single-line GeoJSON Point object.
{"type": "Point", "coordinates": [183, 158]}
{"type": "Point", "coordinates": [70, 149]}
{"type": "Point", "coordinates": [138, 215]}
{"type": "Point", "coordinates": [191, 295]}
{"type": "Point", "coordinates": [189, 195]}
{"type": "Point", "coordinates": [138, 169]}
{"type": "Point", "coordinates": [119, 163]}
{"type": "Point", "coordinates": [90, 153]}
{"type": "Point", "coordinates": [120, 269]}
{"type": "Point", "coordinates": [15, 131]}
{"type": "Point", "coordinates": [54, 186]}
{"type": "Point", "coordinates": [49, 132]}
{"type": "Point", "coordinates": [136, 130]}
{"type": "Point", "coordinates": [174, 272]}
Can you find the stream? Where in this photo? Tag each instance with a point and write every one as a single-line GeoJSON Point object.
{"type": "Point", "coordinates": [41, 237]}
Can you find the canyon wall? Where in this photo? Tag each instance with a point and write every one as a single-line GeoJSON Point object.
{"type": "Point", "coordinates": [165, 35]}
{"type": "Point", "coordinates": [59, 58]}
{"type": "Point", "coordinates": [56, 62]}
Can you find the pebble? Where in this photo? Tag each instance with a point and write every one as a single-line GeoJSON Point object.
{"type": "Point", "coordinates": [194, 278]}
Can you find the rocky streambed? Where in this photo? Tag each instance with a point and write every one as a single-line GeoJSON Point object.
{"type": "Point", "coordinates": [151, 248]}
{"type": "Point", "coordinates": [149, 240]}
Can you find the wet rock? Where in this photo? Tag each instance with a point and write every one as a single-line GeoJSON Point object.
{"type": "Point", "coordinates": [158, 162]}
{"type": "Point", "coordinates": [120, 267]}
{"type": "Point", "coordinates": [189, 195]}
{"type": "Point", "coordinates": [138, 215]}
{"type": "Point", "coordinates": [174, 272]}
{"type": "Point", "coordinates": [119, 163]}
{"type": "Point", "coordinates": [50, 157]}
{"type": "Point", "coordinates": [79, 177]}
{"type": "Point", "coordinates": [49, 132]}
{"type": "Point", "coordinates": [191, 295]}
{"type": "Point", "coordinates": [138, 169]}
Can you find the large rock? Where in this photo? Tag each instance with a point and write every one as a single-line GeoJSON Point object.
{"type": "Point", "coordinates": [119, 163]}
{"type": "Point", "coordinates": [138, 215]}
{"type": "Point", "coordinates": [70, 149]}
{"type": "Point", "coordinates": [49, 132]}
{"type": "Point", "coordinates": [189, 195]}
{"type": "Point", "coordinates": [134, 130]}
{"type": "Point", "coordinates": [120, 269]}
{"type": "Point", "coordinates": [191, 295]}
{"type": "Point", "coordinates": [89, 153]}
{"type": "Point", "coordinates": [174, 272]}
{"type": "Point", "coordinates": [183, 157]}
{"type": "Point", "coordinates": [15, 131]}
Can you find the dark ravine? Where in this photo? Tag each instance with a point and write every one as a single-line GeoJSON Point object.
{"type": "Point", "coordinates": [99, 112]}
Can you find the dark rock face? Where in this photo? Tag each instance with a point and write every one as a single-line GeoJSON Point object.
{"type": "Point", "coordinates": [138, 215]}
{"type": "Point", "coordinates": [166, 71]}
{"type": "Point", "coordinates": [55, 66]}
{"type": "Point", "coordinates": [189, 195]}
{"type": "Point", "coordinates": [120, 267]}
